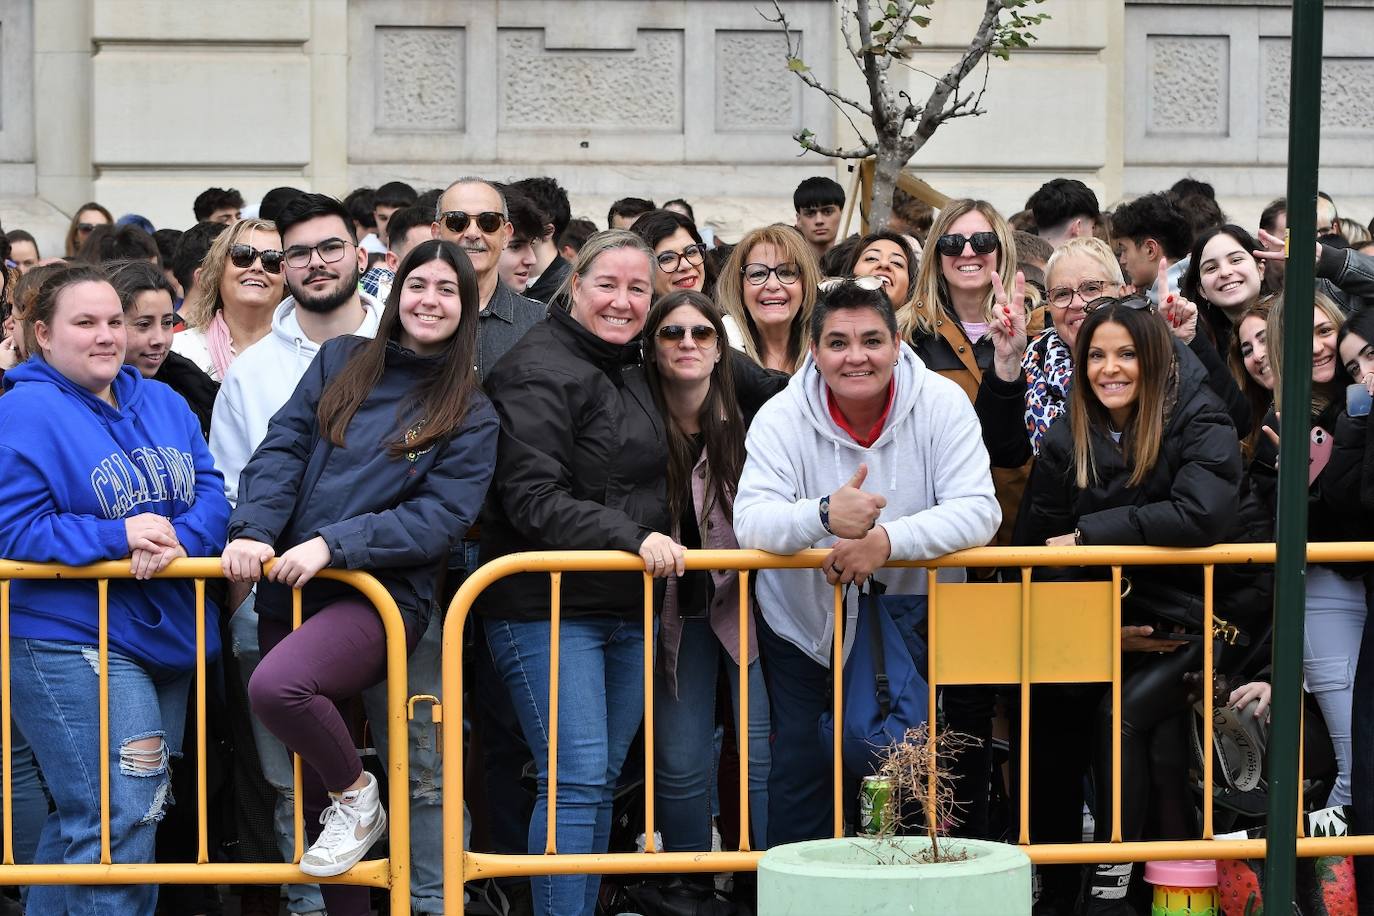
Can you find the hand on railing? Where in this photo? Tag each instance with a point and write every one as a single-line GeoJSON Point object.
{"type": "Point", "coordinates": [151, 532]}
{"type": "Point", "coordinates": [145, 564]}
{"type": "Point", "coordinates": [856, 560]}
{"type": "Point", "coordinates": [663, 556]}
{"type": "Point", "coordinates": [300, 564]}
{"type": "Point", "coordinates": [242, 560]}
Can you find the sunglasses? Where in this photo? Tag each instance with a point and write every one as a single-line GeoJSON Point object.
{"type": "Point", "coordinates": [244, 255]}
{"type": "Point", "coordinates": [85, 228]}
{"type": "Point", "coordinates": [952, 244]}
{"type": "Point", "coordinates": [487, 220]}
{"type": "Point", "coordinates": [703, 334]}
{"type": "Point", "coordinates": [1138, 303]}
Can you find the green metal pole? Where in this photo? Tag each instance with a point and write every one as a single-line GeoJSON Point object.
{"type": "Point", "coordinates": [1290, 568]}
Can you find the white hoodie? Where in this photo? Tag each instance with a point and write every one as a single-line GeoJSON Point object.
{"type": "Point", "coordinates": [260, 381]}
{"type": "Point", "coordinates": [929, 463]}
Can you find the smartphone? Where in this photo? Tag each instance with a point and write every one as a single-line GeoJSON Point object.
{"type": "Point", "coordinates": [1318, 454]}
{"type": "Point", "coordinates": [1357, 400]}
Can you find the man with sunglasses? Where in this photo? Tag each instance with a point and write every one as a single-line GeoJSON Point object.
{"type": "Point", "coordinates": [472, 214]}
{"type": "Point", "coordinates": [322, 263]}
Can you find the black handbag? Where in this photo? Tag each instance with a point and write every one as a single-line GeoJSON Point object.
{"type": "Point", "coordinates": [1158, 602]}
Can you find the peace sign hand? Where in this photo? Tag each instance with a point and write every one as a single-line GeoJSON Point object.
{"type": "Point", "coordinates": [1008, 327]}
{"type": "Point", "coordinates": [1179, 312]}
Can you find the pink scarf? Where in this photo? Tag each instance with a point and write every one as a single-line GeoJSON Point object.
{"type": "Point", "coordinates": [221, 345]}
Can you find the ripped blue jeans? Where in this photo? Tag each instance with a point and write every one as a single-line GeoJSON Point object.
{"type": "Point", "coordinates": [55, 701]}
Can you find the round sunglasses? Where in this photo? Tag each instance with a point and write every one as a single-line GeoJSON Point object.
{"type": "Point", "coordinates": [703, 334]}
{"type": "Point", "coordinates": [487, 221]}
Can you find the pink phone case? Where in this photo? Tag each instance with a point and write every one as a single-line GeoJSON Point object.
{"type": "Point", "coordinates": [1319, 453]}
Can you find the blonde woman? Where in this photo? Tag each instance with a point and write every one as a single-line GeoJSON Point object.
{"type": "Point", "coordinates": [767, 291]}
{"type": "Point", "coordinates": [240, 287]}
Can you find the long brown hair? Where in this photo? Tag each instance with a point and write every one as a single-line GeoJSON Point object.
{"type": "Point", "coordinates": [70, 244]}
{"type": "Point", "coordinates": [730, 289]}
{"type": "Point", "coordinates": [722, 426]}
{"type": "Point", "coordinates": [1325, 394]}
{"type": "Point", "coordinates": [1256, 395]}
{"type": "Point", "coordinates": [1157, 380]}
{"type": "Point", "coordinates": [440, 402]}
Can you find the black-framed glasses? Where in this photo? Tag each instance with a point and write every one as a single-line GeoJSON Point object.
{"type": "Point", "coordinates": [670, 261]}
{"type": "Point", "coordinates": [330, 251]}
{"type": "Point", "coordinates": [488, 220]}
{"type": "Point", "coordinates": [757, 274]}
{"type": "Point", "coordinates": [243, 256]}
{"type": "Point", "coordinates": [703, 334]}
{"type": "Point", "coordinates": [1133, 301]}
{"type": "Point", "coordinates": [827, 211]}
{"type": "Point", "coordinates": [1062, 296]}
{"type": "Point", "coordinates": [951, 244]}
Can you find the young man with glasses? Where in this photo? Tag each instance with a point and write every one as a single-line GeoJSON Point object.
{"type": "Point", "coordinates": [322, 263]}
{"type": "Point", "coordinates": [819, 202]}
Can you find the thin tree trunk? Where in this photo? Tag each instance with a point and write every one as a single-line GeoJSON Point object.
{"type": "Point", "coordinates": [887, 167]}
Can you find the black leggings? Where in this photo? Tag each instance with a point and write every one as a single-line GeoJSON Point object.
{"type": "Point", "coordinates": [1154, 710]}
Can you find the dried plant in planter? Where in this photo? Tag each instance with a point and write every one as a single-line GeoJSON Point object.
{"type": "Point", "coordinates": [921, 794]}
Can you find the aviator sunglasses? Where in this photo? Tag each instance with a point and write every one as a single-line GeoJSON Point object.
{"type": "Point", "coordinates": [243, 256]}
{"type": "Point", "coordinates": [952, 244]}
{"type": "Point", "coordinates": [487, 220]}
{"type": "Point", "coordinates": [703, 334]}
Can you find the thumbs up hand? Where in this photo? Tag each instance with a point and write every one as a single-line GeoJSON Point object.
{"type": "Point", "coordinates": [853, 513]}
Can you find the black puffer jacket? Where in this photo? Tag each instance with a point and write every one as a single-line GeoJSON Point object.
{"type": "Point", "coordinates": [395, 517]}
{"type": "Point", "coordinates": [1195, 495]}
{"type": "Point", "coordinates": [580, 466]}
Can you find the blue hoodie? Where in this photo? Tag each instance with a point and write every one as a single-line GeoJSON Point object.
{"type": "Point", "coordinates": [72, 468]}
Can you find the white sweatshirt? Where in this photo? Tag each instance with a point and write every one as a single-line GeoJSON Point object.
{"type": "Point", "coordinates": [260, 381]}
{"type": "Point", "coordinates": [929, 463]}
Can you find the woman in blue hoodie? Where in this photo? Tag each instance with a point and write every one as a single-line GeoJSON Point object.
{"type": "Point", "coordinates": [380, 461]}
{"type": "Point", "coordinates": [98, 464]}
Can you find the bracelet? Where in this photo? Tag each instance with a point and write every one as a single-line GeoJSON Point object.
{"type": "Point", "coordinates": [825, 514]}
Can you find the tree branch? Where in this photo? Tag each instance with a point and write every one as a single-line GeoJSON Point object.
{"type": "Point", "coordinates": [857, 152]}
{"type": "Point", "coordinates": [935, 113]}
{"type": "Point", "coordinates": [806, 76]}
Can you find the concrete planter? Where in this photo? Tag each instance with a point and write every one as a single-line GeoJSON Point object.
{"type": "Point", "coordinates": [839, 876]}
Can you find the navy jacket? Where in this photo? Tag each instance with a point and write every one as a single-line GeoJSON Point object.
{"type": "Point", "coordinates": [395, 517]}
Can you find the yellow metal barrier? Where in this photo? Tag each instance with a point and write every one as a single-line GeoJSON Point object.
{"type": "Point", "coordinates": [978, 633]}
{"type": "Point", "coordinates": [392, 873]}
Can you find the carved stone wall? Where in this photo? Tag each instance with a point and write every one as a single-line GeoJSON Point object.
{"type": "Point", "coordinates": [1206, 94]}
{"type": "Point", "coordinates": [17, 174]}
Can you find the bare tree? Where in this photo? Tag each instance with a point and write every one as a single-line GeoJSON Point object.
{"type": "Point", "coordinates": [878, 33]}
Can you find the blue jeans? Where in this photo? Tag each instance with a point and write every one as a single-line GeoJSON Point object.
{"type": "Point", "coordinates": [277, 767]}
{"type": "Point", "coordinates": [30, 803]}
{"type": "Point", "coordinates": [1331, 649]}
{"type": "Point", "coordinates": [55, 690]}
{"type": "Point", "coordinates": [684, 746]}
{"type": "Point", "coordinates": [600, 705]}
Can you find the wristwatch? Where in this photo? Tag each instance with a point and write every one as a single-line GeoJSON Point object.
{"type": "Point", "coordinates": [825, 514]}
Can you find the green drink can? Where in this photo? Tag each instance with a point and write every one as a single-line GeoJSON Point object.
{"type": "Point", "coordinates": [874, 795]}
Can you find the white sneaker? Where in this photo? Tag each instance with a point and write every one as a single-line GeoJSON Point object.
{"type": "Point", "coordinates": [352, 824]}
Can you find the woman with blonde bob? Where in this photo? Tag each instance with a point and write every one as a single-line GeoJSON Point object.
{"type": "Point", "coordinates": [239, 287]}
{"type": "Point", "coordinates": [767, 291]}
{"type": "Point", "coordinates": [1148, 456]}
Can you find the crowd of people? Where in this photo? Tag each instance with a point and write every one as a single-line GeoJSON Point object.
{"type": "Point", "coordinates": [414, 384]}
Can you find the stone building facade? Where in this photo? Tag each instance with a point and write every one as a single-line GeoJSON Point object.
{"type": "Point", "coordinates": [141, 104]}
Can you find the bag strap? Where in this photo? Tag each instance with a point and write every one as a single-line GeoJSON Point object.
{"type": "Point", "coordinates": [882, 688]}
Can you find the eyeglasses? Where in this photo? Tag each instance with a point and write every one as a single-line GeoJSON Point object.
{"type": "Point", "coordinates": [703, 334]}
{"type": "Point", "coordinates": [1062, 296]}
{"type": "Point", "coordinates": [670, 261]}
{"type": "Point", "coordinates": [244, 255]}
{"type": "Point", "coordinates": [330, 250]}
{"type": "Point", "coordinates": [865, 283]}
{"type": "Point", "coordinates": [812, 212]}
{"type": "Point", "coordinates": [1138, 303]}
{"type": "Point", "coordinates": [952, 244]}
{"type": "Point", "coordinates": [85, 228]}
{"type": "Point", "coordinates": [757, 274]}
{"type": "Point", "coordinates": [487, 221]}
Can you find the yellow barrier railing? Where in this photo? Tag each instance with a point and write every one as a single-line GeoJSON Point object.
{"type": "Point", "coordinates": [392, 872]}
{"type": "Point", "coordinates": [1003, 633]}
